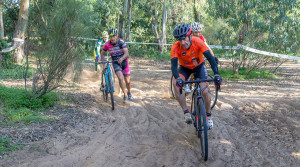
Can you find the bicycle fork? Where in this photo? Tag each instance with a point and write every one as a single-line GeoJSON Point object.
{"type": "Point", "coordinates": [106, 83]}
{"type": "Point", "coordinates": [196, 116]}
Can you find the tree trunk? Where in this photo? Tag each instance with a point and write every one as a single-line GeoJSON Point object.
{"type": "Point", "coordinates": [1, 21]}
{"type": "Point", "coordinates": [124, 19]}
{"type": "Point", "coordinates": [163, 34]}
{"type": "Point", "coordinates": [238, 60]}
{"type": "Point", "coordinates": [118, 19]}
{"type": "Point", "coordinates": [162, 38]}
{"type": "Point", "coordinates": [2, 30]}
{"type": "Point", "coordinates": [196, 13]}
{"type": "Point", "coordinates": [21, 29]}
{"type": "Point", "coordinates": [129, 21]}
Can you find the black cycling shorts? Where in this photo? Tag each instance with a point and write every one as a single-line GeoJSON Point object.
{"type": "Point", "coordinates": [199, 72]}
{"type": "Point", "coordinates": [123, 67]}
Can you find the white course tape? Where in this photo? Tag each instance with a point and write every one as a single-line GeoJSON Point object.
{"type": "Point", "coordinates": [13, 47]}
{"type": "Point", "coordinates": [87, 38]}
{"type": "Point", "coordinates": [148, 43]}
{"type": "Point", "coordinates": [225, 47]}
{"type": "Point", "coordinates": [268, 53]}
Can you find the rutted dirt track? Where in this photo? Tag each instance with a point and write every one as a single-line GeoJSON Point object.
{"type": "Point", "coordinates": [256, 123]}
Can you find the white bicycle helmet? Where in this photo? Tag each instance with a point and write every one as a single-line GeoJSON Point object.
{"type": "Point", "coordinates": [196, 27]}
{"type": "Point", "coordinates": [105, 34]}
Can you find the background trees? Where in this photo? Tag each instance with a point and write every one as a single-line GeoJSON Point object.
{"type": "Point", "coordinates": [266, 25]}
{"type": "Point", "coordinates": [51, 35]}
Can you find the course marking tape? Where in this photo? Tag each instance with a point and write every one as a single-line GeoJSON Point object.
{"type": "Point", "coordinates": [13, 47]}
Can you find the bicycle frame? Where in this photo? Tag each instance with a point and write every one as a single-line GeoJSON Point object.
{"type": "Point", "coordinates": [108, 71]}
{"type": "Point", "coordinates": [196, 96]}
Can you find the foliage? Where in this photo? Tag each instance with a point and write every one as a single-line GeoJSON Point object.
{"type": "Point", "coordinates": [16, 98]}
{"type": "Point", "coordinates": [5, 58]}
{"type": "Point", "coordinates": [59, 25]}
{"type": "Point", "coordinates": [21, 108]}
{"type": "Point", "coordinates": [266, 25]}
{"type": "Point", "coordinates": [7, 145]}
{"type": "Point", "coordinates": [255, 74]}
{"type": "Point", "coordinates": [10, 17]}
{"type": "Point", "coordinates": [24, 115]}
{"type": "Point", "coordinates": [15, 72]}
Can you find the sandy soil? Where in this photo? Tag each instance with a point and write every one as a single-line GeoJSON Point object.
{"type": "Point", "coordinates": [256, 123]}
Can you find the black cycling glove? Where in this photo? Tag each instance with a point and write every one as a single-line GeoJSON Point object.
{"type": "Point", "coordinates": [179, 83]}
{"type": "Point", "coordinates": [218, 81]}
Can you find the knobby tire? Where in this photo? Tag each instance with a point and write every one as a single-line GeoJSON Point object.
{"type": "Point", "coordinates": [202, 122]}
{"type": "Point", "coordinates": [111, 91]}
{"type": "Point", "coordinates": [104, 90]}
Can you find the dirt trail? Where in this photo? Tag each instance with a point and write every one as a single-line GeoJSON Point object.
{"type": "Point", "coordinates": [256, 123]}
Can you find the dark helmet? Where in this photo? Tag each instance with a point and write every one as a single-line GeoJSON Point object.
{"type": "Point", "coordinates": [112, 32]}
{"type": "Point", "coordinates": [182, 31]}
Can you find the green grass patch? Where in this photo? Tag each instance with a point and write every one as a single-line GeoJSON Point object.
{"type": "Point", "coordinates": [17, 107]}
{"type": "Point", "coordinates": [6, 145]}
{"type": "Point", "coordinates": [255, 74]}
{"type": "Point", "coordinates": [24, 115]}
{"type": "Point", "coordinates": [15, 72]}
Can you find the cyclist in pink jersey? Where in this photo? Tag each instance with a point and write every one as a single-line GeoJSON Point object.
{"type": "Point", "coordinates": [119, 51]}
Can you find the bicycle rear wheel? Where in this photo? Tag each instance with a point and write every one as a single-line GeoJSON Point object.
{"type": "Point", "coordinates": [111, 90]}
{"type": "Point", "coordinates": [212, 92]}
{"type": "Point", "coordinates": [202, 129]}
{"type": "Point", "coordinates": [103, 87]}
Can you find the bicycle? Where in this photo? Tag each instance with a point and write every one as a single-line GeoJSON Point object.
{"type": "Point", "coordinates": [107, 84]}
{"type": "Point", "coordinates": [199, 118]}
{"type": "Point", "coordinates": [212, 90]}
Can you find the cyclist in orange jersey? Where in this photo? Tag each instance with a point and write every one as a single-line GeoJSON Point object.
{"type": "Point", "coordinates": [189, 51]}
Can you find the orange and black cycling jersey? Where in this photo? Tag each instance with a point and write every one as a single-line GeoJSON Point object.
{"type": "Point", "coordinates": [192, 57]}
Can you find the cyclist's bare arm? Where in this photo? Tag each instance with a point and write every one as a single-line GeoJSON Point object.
{"type": "Point", "coordinates": [102, 54]}
{"type": "Point", "coordinates": [102, 58]}
{"type": "Point", "coordinates": [125, 56]}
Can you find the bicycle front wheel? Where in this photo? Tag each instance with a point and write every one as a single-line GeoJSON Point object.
{"type": "Point", "coordinates": [111, 90]}
{"type": "Point", "coordinates": [202, 131]}
{"type": "Point", "coordinates": [103, 87]}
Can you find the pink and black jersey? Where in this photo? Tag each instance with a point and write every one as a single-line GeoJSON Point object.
{"type": "Point", "coordinates": [115, 50]}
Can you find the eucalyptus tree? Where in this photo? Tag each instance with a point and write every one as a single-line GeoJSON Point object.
{"type": "Point", "coordinates": [129, 20]}
{"type": "Point", "coordinates": [1, 21]}
{"type": "Point", "coordinates": [268, 25]}
{"type": "Point", "coordinates": [122, 35]}
{"type": "Point", "coordinates": [105, 15]}
{"type": "Point", "coordinates": [21, 29]}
